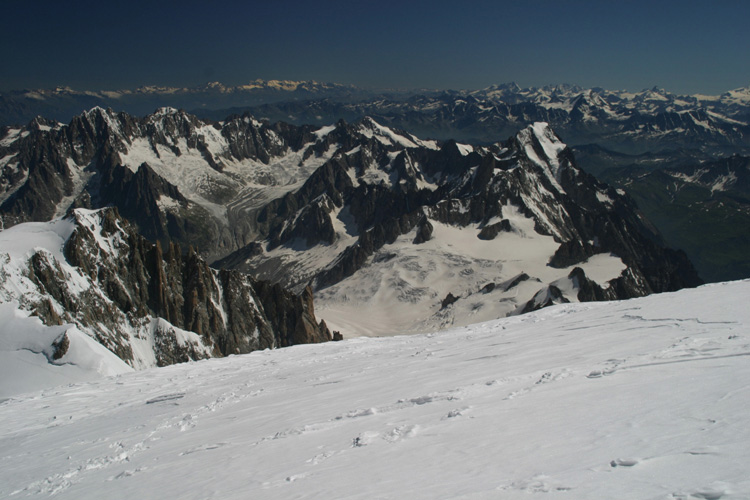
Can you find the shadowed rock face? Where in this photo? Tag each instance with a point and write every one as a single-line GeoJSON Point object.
{"type": "Point", "coordinates": [132, 283]}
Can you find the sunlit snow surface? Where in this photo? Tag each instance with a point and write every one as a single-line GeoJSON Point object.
{"type": "Point", "coordinates": [401, 288]}
{"type": "Point", "coordinates": [646, 399]}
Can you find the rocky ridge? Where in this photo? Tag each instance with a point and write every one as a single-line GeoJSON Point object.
{"type": "Point", "coordinates": [149, 305]}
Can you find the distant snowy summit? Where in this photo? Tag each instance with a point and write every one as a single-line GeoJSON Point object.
{"type": "Point", "coordinates": [62, 103]}
{"type": "Point", "coordinates": [252, 86]}
{"type": "Point", "coordinates": [632, 121]}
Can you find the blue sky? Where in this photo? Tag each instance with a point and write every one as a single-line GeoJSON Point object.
{"type": "Point", "coordinates": [683, 46]}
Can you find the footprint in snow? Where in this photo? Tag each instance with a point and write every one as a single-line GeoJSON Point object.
{"type": "Point", "coordinates": [205, 447]}
{"type": "Point", "coordinates": [709, 493]}
{"type": "Point", "coordinates": [166, 397]}
{"type": "Point", "coordinates": [401, 432]}
{"type": "Point", "coordinates": [599, 373]}
{"type": "Point", "coordinates": [127, 473]}
{"type": "Point", "coordinates": [320, 457]}
{"type": "Point", "coordinates": [609, 368]}
{"type": "Point", "coordinates": [535, 484]}
{"type": "Point", "coordinates": [365, 439]}
{"type": "Point", "coordinates": [458, 412]}
{"type": "Point", "coordinates": [624, 462]}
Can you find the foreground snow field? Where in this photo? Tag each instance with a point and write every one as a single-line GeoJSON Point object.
{"type": "Point", "coordinates": [642, 399]}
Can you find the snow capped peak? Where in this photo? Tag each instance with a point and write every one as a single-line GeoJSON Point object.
{"type": "Point", "coordinates": [218, 86]}
{"type": "Point", "coordinates": [547, 137]}
{"type": "Point", "coordinates": [98, 110]}
{"type": "Point", "coordinates": [543, 147]}
{"type": "Point", "coordinates": [166, 110]}
{"type": "Point", "coordinates": [370, 128]}
{"type": "Point", "coordinates": [542, 134]}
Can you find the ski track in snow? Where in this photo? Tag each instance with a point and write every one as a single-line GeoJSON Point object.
{"type": "Point", "coordinates": [645, 398]}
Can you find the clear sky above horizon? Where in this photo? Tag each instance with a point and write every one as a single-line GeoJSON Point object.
{"type": "Point", "coordinates": [684, 46]}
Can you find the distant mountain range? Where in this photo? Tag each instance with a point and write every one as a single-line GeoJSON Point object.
{"type": "Point", "coordinates": [633, 123]}
{"type": "Point", "coordinates": [429, 233]}
{"type": "Point", "coordinates": [18, 107]}
{"type": "Point", "coordinates": [627, 122]}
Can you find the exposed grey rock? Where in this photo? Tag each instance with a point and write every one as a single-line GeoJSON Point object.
{"type": "Point", "coordinates": [424, 231]}
{"type": "Point", "coordinates": [60, 346]}
{"type": "Point", "coordinates": [448, 300]}
{"type": "Point", "coordinates": [132, 283]}
{"type": "Point", "coordinates": [490, 231]}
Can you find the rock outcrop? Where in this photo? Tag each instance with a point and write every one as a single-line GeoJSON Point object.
{"type": "Point", "coordinates": [152, 305]}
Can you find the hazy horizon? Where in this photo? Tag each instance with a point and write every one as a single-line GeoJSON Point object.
{"type": "Point", "coordinates": [685, 47]}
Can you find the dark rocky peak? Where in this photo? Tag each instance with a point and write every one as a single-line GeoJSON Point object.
{"type": "Point", "coordinates": [329, 183]}
{"type": "Point", "coordinates": [42, 124]}
{"type": "Point", "coordinates": [99, 134]}
{"type": "Point", "coordinates": [406, 172]}
{"type": "Point", "coordinates": [172, 123]}
{"type": "Point", "coordinates": [311, 224]}
{"type": "Point", "coordinates": [296, 137]}
{"type": "Point", "coordinates": [107, 123]}
{"type": "Point", "coordinates": [113, 284]}
{"type": "Point", "coordinates": [243, 134]}
{"type": "Point", "coordinates": [540, 147]}
{"type": "Point", "coordinates": [138, 196]}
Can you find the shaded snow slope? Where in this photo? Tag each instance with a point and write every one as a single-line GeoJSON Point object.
{"type": "Point", "coordinates": [29, 360]}
{"type": "Point", "coordinates": [645, 398]}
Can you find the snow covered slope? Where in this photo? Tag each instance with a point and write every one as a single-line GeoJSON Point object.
{"type": "Point", "coordinates": [31, 354]}
{"type": "Point", "coordinates": [645, 398]}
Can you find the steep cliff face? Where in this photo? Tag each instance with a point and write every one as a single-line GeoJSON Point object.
{"type": "Point", "coordinates": [147, 304]}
